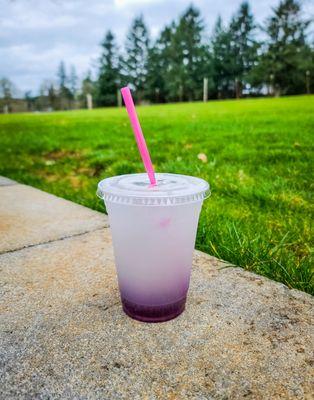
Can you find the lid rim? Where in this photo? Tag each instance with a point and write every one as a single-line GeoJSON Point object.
{"type": "Point", "coordinates": [183, 191]}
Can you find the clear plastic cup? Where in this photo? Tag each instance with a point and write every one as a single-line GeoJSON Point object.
{"type": "Point", "coordinates": [153, 231]}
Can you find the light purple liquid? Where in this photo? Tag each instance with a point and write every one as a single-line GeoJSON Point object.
{"type": "Point", "coordinates": [153, 249]}
{"type": "Point", "coordinates": [154, 303]}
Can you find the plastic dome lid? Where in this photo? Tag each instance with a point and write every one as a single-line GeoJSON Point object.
{"type": "Point", "coordinates": [171, 189]}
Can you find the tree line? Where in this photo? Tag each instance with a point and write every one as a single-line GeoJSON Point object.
{"type": "Point", "coordinates": [238, 59]}
{"type": "Point", "coordinates": [234, 60]}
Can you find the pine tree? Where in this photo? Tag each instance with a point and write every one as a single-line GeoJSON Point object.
{"type": "Point", "coordinates": [158, 66]}
{"type": "Point", "coordinates": [287, 55]}
{"type": "Point", "coordinates": [108, 78]}
{"type": "Point", "coordinates": [73, 81]}
{"type": "Point", "coordinates": [135, 60]}
{"type": "Point", "coordinates": [154, 86]}
{"type": "Point", "coordinates": [193, 53]}
{"type": "Point", "coordinates": [65, 94]}
{"type": "Point", "coordinates": [62, 75]}
{"type": "Point", "coordinates": [222, 63]}
{"type": "Point", "coordinates": [186, 57]}
{"type": "Point", "coordinates": [52, 97]}
{"type": "Point", "coordinates": [243, 46]}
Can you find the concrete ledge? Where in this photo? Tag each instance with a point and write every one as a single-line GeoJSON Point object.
{"type": "Point", "coordinates": [64, 335]}
{"type": "Point", "coordinates": [29, 216]}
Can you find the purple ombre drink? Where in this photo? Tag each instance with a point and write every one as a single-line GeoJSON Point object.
{"type": "Point", "coordinates": [153, 231]}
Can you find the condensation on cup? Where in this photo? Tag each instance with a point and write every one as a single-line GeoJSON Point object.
{"type": "Point", "coordinates": [153, 230]}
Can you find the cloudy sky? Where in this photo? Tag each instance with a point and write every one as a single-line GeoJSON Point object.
{"type": "Point", "coordinates": [36, 34]}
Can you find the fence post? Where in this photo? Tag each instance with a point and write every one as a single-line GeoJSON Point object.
{"type": "Point", "coordinates": [89, 99]}
{"type": "Point", "coordinates": [205, 89]}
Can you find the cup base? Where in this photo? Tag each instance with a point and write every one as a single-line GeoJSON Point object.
{"type": "Point", "coordinates": [153, 313]}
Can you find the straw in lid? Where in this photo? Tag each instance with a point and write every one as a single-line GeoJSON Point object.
{"type": "Point", "coordinates": [135, 189]}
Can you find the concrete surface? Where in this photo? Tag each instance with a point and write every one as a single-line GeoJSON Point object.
{"type": "Point", "coordinates": [64, 335]}
{"type": "Point", "coordinates": [29, 216]}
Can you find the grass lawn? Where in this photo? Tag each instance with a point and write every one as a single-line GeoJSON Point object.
{"type": "Point", "coordinates": [258, 164]}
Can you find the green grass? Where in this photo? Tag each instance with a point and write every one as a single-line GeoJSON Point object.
{"type": "Point", "coordinates": [259, 167]}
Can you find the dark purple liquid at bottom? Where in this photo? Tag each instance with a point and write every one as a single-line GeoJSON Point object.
{"type": "Point", "coordinates": [153, 313]}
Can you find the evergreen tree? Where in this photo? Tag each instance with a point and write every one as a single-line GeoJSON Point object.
{"type": "Point", "coordinates": [243, 46]}
{"type": "Point", "coordinates": [73, 81]}
{"type": "Point", "coordinates": [108, 78]}
{"type": "Point", "coordinates": [52, 96]}
{"type": "Point", "coordinates": [222, 60]}
{"type": "Point", "coordinates": [65, 94]}
{"type": "Point", "coordinates": [287, 56]}
{"type": "Point", "coordinates": [135, 60]}
{"type": "Point", "coordinates": [62, 75]}
{"type": "Point", "coordinates": [185, 57]}
{"type": "Point", "coordinates": [158, 66]}
{"type": "Point", "coordinates": [192, 53]}
{"type": "Point", "coordinates": [176, 71]}
{"type": "Point", "coordinates": [154, 86]}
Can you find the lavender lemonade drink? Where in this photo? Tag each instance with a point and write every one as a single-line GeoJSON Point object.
{"type": "Point", "coordinates": [153, 230]}
{"type": "Point", "coordinates": [153, 220]}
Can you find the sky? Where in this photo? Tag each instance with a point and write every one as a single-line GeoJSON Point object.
{"type": "Point", "coordinates": [35, 35]}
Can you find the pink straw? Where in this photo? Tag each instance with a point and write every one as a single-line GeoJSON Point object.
{"type": "Point", "coordinates": [140, 140]}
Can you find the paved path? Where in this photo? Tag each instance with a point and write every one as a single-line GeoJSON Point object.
{"type": "Point", "coordinates": [64, 335]}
